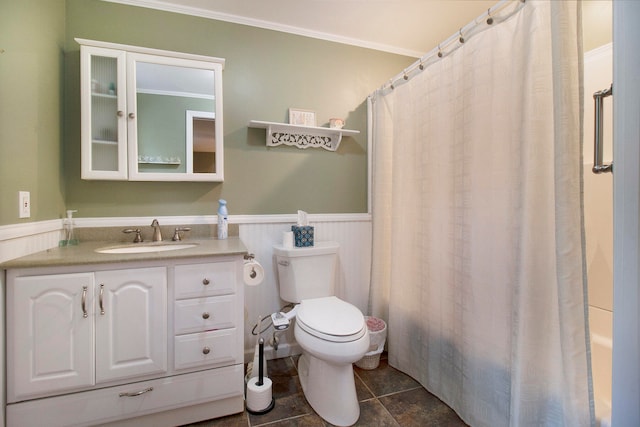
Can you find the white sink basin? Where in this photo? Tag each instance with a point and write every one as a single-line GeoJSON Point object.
{"type": "Point", "coordinates": [143, 248]}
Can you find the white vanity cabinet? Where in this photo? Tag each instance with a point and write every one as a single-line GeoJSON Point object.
{"type": "Point", "coordinates": [206, 315]}
{"type": "Point", "coordinates": [50, 340]}
{"type": "Point", "coordinates": [131, 323]}
{"type": "Point", "coordinates": [69, 331]}
{"type": "Point", "coordinates": [135, 343]}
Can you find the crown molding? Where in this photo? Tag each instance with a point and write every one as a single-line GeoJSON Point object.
{"type": "Point", "coordinates": [269, 25]}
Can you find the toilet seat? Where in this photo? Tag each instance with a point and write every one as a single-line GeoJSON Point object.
{"type": "Point", "coordinates": [331, 319]}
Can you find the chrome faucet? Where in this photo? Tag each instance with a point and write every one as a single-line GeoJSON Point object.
{"type": "Point", "coordinates": [157, 235]}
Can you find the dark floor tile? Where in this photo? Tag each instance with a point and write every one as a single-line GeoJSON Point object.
{"type": "Point", "coordinates": [420, 408]}
{"type": "Point", "coordinates": [281, 367]}
{"type": "Point", "coordinates": [236, 420]}
{"type": "Point", "coordinates": [311, 420]}
{"type": "Point", "coordinates": [362, 391]}
{"type": "Point", "coordinates": [372, 413]}
{"type": "Point", "coordinates": [287, 406]}
{"type": "Point", "coordinates": [385, 379]}
{"type": "Point", "coordinates": [283, 386]}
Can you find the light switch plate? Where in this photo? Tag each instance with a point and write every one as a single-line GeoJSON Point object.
{"type": "Point", "coordinates": [24, 200]}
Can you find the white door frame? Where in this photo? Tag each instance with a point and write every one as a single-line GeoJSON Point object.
{"type": "Point", "coordinates": [626, 202]}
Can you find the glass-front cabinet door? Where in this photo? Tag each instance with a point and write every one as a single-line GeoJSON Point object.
{"type": "Point", "coordinates": [103, 112]}
{"type": "Point", "coordinates": [150, 115]}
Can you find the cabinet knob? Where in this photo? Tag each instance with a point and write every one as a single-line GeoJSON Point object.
{"type": "Point", "coordinates": [206, 350]}
{"type": "Point", "coordinates": [205, 281]}
{"type": "Point", "coordinates": [132, 115]}
{"type": "Point", "coordinates": [120, 113]}
{"type": "Point", "coordinates": [205, 315]}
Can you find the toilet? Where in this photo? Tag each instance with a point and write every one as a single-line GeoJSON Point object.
{"type": "Point", "coordinates": [332, 333]}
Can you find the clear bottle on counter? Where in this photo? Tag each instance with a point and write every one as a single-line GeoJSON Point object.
{"type": "Point", "coordinates": [69, 230]}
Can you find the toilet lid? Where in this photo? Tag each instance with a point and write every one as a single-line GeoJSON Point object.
{"type": "Point", "coordinates": [331, 319]}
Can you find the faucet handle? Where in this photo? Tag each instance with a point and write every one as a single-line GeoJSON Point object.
{"type": "Point", "coordinates": [176, 235]}
{"type": "Point", "coordinates": [138, 238]}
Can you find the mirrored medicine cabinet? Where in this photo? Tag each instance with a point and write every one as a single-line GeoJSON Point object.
{"type": "Point", "coordinates": [150, 115]}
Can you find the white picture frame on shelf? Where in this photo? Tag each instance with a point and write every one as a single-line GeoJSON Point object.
{"type": "Point", "coordinates": [302, 117]}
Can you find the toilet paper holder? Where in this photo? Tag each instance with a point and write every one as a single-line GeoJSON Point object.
{"type": "Point", "coordinates": [250, 258]}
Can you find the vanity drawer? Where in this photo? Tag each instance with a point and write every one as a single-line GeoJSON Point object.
{"type": "Point", "coordinates": [116, 403]}
{"type": "Point", "coordinates": [199, 280]}
{"type": "Point", "coordinates": [205, 349]}
{"type": "Point", "coordinates": [204, 314]}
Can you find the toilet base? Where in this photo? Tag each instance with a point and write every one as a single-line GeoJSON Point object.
{"type": "Point", "coordinates": [330, 389]}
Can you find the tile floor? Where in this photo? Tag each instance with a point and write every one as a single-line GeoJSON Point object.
{"type": "Point", "coordinates": [387, 398]}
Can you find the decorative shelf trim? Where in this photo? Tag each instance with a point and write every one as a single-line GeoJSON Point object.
{"type": "Point", "coordinates": [302, 136]}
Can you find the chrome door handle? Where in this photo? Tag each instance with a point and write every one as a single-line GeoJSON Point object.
{"type": "Point", "coordinates": [84, 302]}
{"type": "Point", "coordinates": [101, 298]}
{"type": "Point", "coordinates": [598, 166]}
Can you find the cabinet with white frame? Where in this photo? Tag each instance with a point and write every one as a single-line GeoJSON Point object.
{"type": "Point", "coordinates": [150, 114]}
{"type": "Point", "coordinates": [90, 344]}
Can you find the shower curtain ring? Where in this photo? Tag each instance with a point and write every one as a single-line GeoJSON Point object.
{"type": "Point", "coordinates": [405, 75]}
{"type": "Point", "coordinates": [461, 38]}
{"type": "Point", "coordinates": [439, 52]}
{"type": "Point", "coordinates": [421, 66]}
{"type": "Point", "coordinates": [490, 18]}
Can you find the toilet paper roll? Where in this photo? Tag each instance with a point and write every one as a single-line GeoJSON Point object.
{"type": "Point", "coordinates": [287, 239]}
{"type": "Point", "coordinates": [259, 396]}
{"type": "Point", "coordinates": [253, 273]}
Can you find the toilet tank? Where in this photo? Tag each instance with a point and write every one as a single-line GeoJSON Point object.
{"type": "Point", "coordinates": [308, 272]}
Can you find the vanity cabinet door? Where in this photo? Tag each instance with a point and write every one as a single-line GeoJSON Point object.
{"type": "Point", "coordinates": [104, 114]}
{"type": "Point", "coordinates": [49, 334]}
{"type": "Point", "coordinates": [131, 323]}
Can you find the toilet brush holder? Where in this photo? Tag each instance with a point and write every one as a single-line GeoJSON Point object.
{"type": "Point", "coordinates": [259, 389]}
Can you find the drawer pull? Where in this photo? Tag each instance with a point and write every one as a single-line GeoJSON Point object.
{"type": "Point", "coordinates": [136, 393]}
{"type": "Point", "coordinates": [205, 315]}
{"type": "Point", "coordinates": [206, 350]}
{"type": "Point", "coordinates": [205, 281]}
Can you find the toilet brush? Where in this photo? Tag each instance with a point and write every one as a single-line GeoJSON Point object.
{"type": "Point", "coordinates": [259, 389]}
{"type": "Point", "coordinates": [253, 366]}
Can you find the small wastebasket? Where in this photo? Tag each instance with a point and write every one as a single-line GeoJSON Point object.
{"type": "Point", "coordinates": [377, 337]}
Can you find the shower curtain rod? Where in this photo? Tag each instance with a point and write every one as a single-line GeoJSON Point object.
{"type": "Point", "coordinates": [457, 39]}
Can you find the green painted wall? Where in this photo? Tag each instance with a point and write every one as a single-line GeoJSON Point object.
{"type": "Point", "coordinates": [31, 109]}
{"type": "Point", "coordinates": [266, 72]}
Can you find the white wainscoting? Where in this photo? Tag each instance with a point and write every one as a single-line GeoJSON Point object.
{"type": "Point", "coordinates": [259, 234]}
{"type": "Point", "coordinates": [18, 240]}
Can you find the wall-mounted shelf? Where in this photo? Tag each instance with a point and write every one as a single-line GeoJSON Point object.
{"type": "Point", "coordinates": [104, 141]}
{"type": "Point", "coordinates": [172, 161]}
{"type": "Point", "coordinates": [302, 136]}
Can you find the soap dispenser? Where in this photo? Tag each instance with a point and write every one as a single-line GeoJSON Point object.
{"type": "Point", "coordinates": [69, 232]}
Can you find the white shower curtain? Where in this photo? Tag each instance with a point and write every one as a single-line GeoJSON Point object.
{"type": "Point", "coordinates": [478, 248]}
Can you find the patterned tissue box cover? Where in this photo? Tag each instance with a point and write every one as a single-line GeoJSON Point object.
{"type": "Point", "coordinates": [302, 235]}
